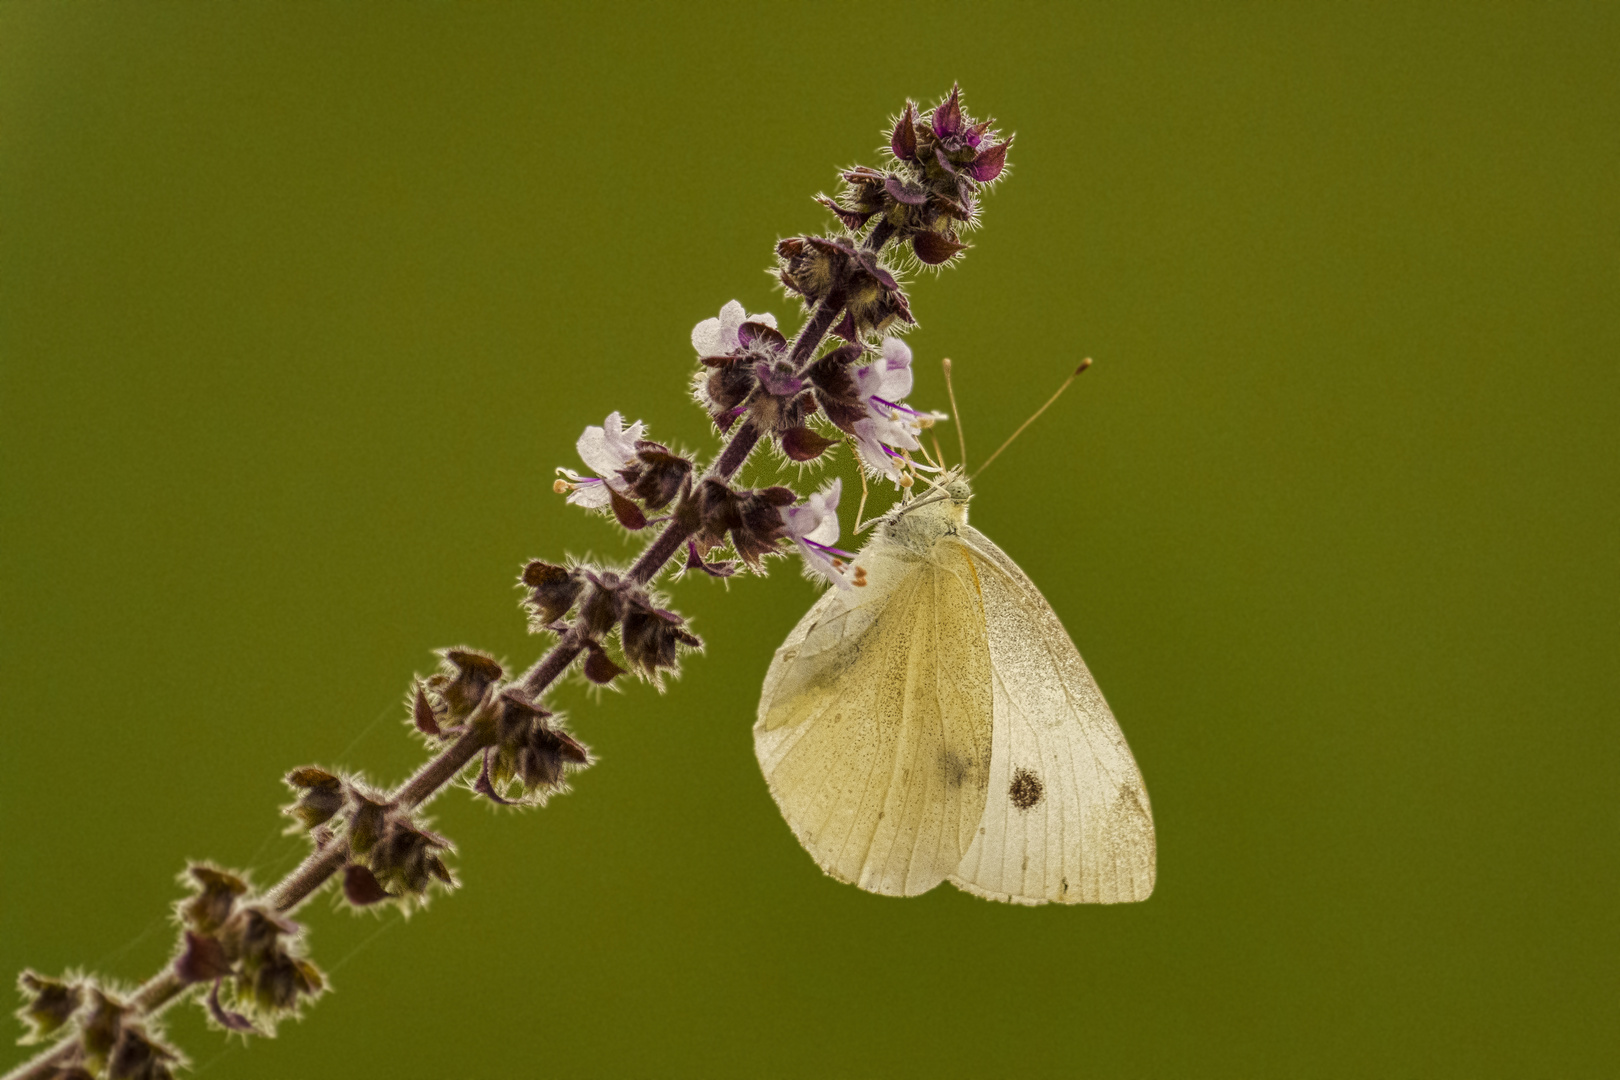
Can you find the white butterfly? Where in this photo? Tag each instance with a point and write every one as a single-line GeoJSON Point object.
{"type": "Point", "coordinates": [939, 725]}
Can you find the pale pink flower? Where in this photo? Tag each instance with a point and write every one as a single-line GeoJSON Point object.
{"type": "Point", "coordinates": [813, 528]}
{"type": "Point", "coordinates": [605, 451]}
{"type": "Point", "coordinates": [883, 386]}
{"type": "Point", "coordinates": [718, 337]}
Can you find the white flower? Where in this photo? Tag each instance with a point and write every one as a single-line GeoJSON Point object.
{"type": "Point", "coordinates": [889, 378]}
{"type": "Point", "coordinates": [882, 387]}
{"type": "Point", "coordinates": [604, 450]}
{"type": "Point", "coordinates": [813, 528]}
{"type": "Point", "coordinates": [870, 436]}
{"type": "Point", "coordinates": [717, 337]}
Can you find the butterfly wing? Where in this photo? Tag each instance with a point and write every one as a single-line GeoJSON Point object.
{"type": "Point", "coordinates": [1067, 819]}
{"type": "Point", "coordinates": [874, 725]}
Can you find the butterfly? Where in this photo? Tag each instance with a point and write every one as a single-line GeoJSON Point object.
{"type": "Point", "coordinates": [939, 725]}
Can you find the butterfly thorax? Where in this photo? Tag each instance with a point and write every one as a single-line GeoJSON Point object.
{"type": "Point", "coordinates": [920, 525]}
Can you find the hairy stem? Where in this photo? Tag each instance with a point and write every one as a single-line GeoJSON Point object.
{"type": "Point", "coordinates": [879, 235]}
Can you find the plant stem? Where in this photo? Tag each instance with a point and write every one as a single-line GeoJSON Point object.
{"type": "Point", "coordinates": [879, 235]}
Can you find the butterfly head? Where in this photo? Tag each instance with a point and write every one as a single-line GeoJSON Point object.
{"type": "Point", "coordinates": [941, 511]}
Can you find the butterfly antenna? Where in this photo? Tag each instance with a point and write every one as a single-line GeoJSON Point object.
{"type": "Point", "coordinates": [956, 414]}
{"type": "Point", "coordinates": [1075, 375]}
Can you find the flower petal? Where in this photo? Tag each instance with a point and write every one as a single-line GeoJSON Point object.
{"type": "Point", "coordinates": [589, 492]}
{"type": "Point", "coordinates": [706, 338]}
{"type": "Point", "coordinates": [826, 500]}
{"type": "Point", "coordinates": [819, 563]}
{"type": "Point", "coordinates": [826, 532]}
{"type": "Point", "coordinates": [621, 442]}
{"type": "Point", "coordinates": [870, 446]}
{"type": "Point", "coordinates": [611, 447]}
{"type": "Point", "coordinates": [732, 315]}
{"type": "Point", "coordinates": [594, 450]}
{"type": "Point", "coordinates": [896, 382]}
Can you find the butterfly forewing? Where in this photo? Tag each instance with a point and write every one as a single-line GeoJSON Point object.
{"type": "Point", "coordinates": [874, 729]}
{"type": "Point", "coordinates": [1067, 818]}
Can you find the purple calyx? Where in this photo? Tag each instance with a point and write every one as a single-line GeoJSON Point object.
{"type": "Point", "coordinates": [779, 382]}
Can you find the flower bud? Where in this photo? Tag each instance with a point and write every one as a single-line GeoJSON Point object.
{"type": "Point", "coordinates": [202, 960]}
{"type": "Point", "coordinates": [651, 635]}
{"type": "Point", "coordinates": [656, 476]}
{"type": "Point", "coordinates": [542, 759]}
{"type": "Point", "coordinates": [282, 979]}
{"type": "Point", "coordinates": [719, 511]}
{"type": "Point", "coordinates": [217, 893]}
{"type": "Point", "coordinates": [474, 673]}
{"type": "Point", "coordinates": [254, 934]}
{"type": "Point", "coordinates": [835, 270]}
{"type": "Point", "coordinates": [423, 716]}
{"type": "Point", "coordinates": [554, 589]}
{"type": "Point", "coordinates": [265, 971]}
{"type": "Point", "coordinates": [760, 525]}
{"type": "Point", "coordinates": [835, 388]}
{"type": "Point", "coordinates": [730, 382]}
{"type": "Point", "coordinates": [603, 605]}
{"type": "Point", "coordinates": [50, 1004]}
{"type": "Point", "coordinates": [407, 857]}
{"type": "Point", "coordinates": [100, 1027]}
{"type": "Point", "coordinates": [320, 794]}
{"type": "Point", "coordinates": [518, 712]}
{"type": "Point", "coordinates": [138, 1056]}
{"type": "Point", "coordinates": [368, 819]}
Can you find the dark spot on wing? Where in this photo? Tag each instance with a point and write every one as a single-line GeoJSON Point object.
{"type": "Point", "coordinates": [959, 770]}
{"type": "Point", "coordinates": [1026, 789]}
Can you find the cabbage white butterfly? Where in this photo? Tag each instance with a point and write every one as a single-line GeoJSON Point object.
{"type": "Point", "coordinates": [939, 725]}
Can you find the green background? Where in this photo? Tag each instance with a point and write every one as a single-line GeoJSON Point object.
{"type": "Point", "coordinates": [301, 305]}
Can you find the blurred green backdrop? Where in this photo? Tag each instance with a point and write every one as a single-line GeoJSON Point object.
{"type": "Point", "coordinates": [300, 305]}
